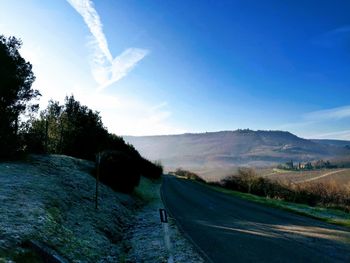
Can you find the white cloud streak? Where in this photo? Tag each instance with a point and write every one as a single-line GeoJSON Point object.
{"type": "Point", "coordinates": [339, 135]}
{"type": "Point", "coordinates": [341, 30]}
{"type": "Point", "coordinates": [322, 124]}
{"type": "Point", "coordinates": [122, 65]}
{"type": "Point", "coordinates": [105, 69]}
{"type": "Point", "coordinates": [329, 114]}
{"type": "Point", "coordinates": [121, 115]}
{"type": "Point", "coordinates": [334, 38]}
{"type": "Point", "coordinates": [91, 18]}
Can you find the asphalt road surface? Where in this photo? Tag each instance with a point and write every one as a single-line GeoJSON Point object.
{"type": "Point", "coordinates": [229, 229]}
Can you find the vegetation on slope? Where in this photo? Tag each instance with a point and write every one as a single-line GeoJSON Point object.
{"type": "Point", "coordinates": [70, 129]}
{"type": "Point", "coordinates": [324, 194]}
{"type": "Point", "coordinates": [50, 199]}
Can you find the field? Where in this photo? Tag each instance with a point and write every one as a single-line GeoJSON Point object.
{"type": "Point", "coordinates": [340, 176]}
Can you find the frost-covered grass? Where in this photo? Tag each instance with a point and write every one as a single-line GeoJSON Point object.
{"type": "Point", "coordinates": [325, 214]}
{"type": "Point", "coordinates": [50, 199]}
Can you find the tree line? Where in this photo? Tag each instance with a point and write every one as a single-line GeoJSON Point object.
{"type": "Point", "coordinates": [71, 129]}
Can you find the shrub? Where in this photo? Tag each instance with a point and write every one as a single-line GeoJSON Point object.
{"type": "Point", "coordinates": [243, 181]}
{"type": "Point", "coordinates": [188, 175]}
{"type": "Point", "coordinates": [151, 170]}
{"type": "Point", "coordinates": [328, 194]}
{"type": "Point", "coordinates": [34, 137]}
{"type": "Point", "coordinates": [118, 170]}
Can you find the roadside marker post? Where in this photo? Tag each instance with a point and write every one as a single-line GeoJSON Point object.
{"type": "Point", "coordinates": [163, 215]}
{"type": "Point", "coordinates": [164, 220]}
{"type": "Point", "coordinates": [98, 160]}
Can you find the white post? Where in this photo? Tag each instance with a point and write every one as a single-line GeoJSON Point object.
{"type": "Point", "coordinates": [97, 178]}
{"type": "Point", "coordinates": [167, 242]}
{"type": "Point", "coordinates": [165, 225]}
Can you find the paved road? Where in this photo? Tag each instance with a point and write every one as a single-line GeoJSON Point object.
{"type": "Point", "coordinates": [229, 229]}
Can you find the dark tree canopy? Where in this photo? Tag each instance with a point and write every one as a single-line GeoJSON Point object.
{"type": "Point", "coordinates": [74, 129]}
{"type": "Point", "coordinates": [16, 79]}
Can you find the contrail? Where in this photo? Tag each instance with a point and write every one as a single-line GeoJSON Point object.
{"type": "Point", "coordinates": [104, 68]}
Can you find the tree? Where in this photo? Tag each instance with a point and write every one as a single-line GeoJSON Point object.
{"type": "Point", "coordinates": [84, 134]}
{"type": "Point", "coordinates": [16, 79]}
{"type": "Point", "coordinates": [74, 129]}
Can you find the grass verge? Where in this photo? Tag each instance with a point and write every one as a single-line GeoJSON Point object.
{"type": "Point", "coordinates": [147, 189]}
{"type": "Point", "coordinates": [328, 215]}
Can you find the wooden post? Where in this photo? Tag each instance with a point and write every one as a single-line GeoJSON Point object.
{"type": "Point", "coordinates": [60, 148]}
{"type": "Point", "coordinates": [46, 135]}
{"type": "Point", "coordinates": [164, 221]}
{"type": "Point", "coordinates": [97, 178]}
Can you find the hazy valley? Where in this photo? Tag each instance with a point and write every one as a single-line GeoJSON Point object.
{"type": "Point", "coordinates": [217, 153]}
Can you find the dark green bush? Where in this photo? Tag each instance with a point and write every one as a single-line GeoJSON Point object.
{"type": "Point", "coordinates": [118, 170]}
{"type": "Point", "coordinates": [151, 170]}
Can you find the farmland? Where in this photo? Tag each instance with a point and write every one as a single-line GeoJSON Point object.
{"type": "Point", "coordinates": [340, 176]}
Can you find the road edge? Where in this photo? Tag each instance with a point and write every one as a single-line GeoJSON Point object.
{"type": "Point", "coordinates": [276, 206]}
{"type": "Point", "coordinates": [205, 257]}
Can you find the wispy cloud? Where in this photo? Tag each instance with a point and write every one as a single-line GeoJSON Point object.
{"type": "Point", "coordinates": [105, 69]}
{"type": "Point", "coordinates": [340, 30]}
{"type": "Point", "coordinates": [321, 116]}
{"type": "Point", "coordinates": [333, 38]}
{"type": "Point", "coordinates": [121, 66]}
{"type": "Point", "coordinates": [322, 124]}
{"type": "Point", "coordinates": [329, 114]}
{"type": "Point", "coordinates": [340, 135]}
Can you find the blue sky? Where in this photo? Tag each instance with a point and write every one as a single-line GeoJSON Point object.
{"type": "Point", "coordinates": [163, 67]}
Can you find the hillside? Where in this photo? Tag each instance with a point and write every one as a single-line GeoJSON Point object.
{"type": "Point", "coordinates": [232, 148]}
{"type": "Point", "coordinates": [338, 143]}
{"type": "Point", "coordinates": [48, 205]}
{"type": "Point", "coordinates": [50, 200]}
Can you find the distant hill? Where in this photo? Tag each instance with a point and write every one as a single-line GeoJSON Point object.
{"type": "Point", "coordinates": [338, 143]}
{"type": "Point", "coordinates": [234, 148]}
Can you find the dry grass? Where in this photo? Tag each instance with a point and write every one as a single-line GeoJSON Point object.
{"type": "Point", "coordinates": [341, 175]}
{"type": "Point", "coordinates": [326, 193]}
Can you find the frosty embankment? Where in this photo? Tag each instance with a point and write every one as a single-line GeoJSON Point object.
{"type": "Point", "coordinates": [49, 200]}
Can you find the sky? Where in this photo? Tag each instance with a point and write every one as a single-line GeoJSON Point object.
{"type": "Point", "coordinates": [168, 67]}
